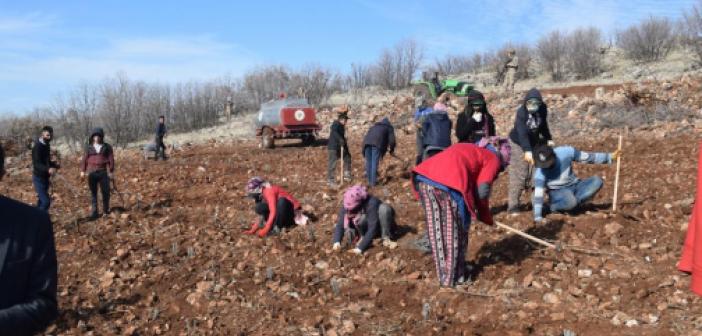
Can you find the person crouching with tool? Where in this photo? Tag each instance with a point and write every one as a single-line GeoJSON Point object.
{"type": "Point", "coordinates": [99, 165]}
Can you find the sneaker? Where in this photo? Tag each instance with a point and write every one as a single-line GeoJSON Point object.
{"type": "Point", "coordinates": [94, 215]}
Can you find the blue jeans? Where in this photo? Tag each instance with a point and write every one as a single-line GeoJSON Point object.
{"type": "Point", "coordinates": [568, 198]}
{"type": "Point", "coordinates": [372, 155]}
{"type": "Point", "coordinates": [41, 186]}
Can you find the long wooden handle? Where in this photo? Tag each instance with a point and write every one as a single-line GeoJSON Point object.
{"type": "Point", "coordinates": [616, 177]}
{"type": "Point", "coordinates": [341, 170]}
{"type": "Point", "coordinates": [525, 235]}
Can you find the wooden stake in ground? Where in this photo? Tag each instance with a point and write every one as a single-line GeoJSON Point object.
{"type": "Point", "coordinates": [616, 177]}
{"type": "Point", "coordinates": [341, 170]}
{"type": "Point", "coordinates": [527, 236]}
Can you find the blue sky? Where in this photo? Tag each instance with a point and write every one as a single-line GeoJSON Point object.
{"type": "Point", "coordinates": [49, 47]}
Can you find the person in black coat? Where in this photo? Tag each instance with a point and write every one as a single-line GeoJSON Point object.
{"type": "Point", "coordinates": [42, 167]}
{"type": "Point", "coordinates": [530, 130]}
{"type": "Point", "coordinates": [378, 140]}
{"type": "Point", "coordinates": [436, 133]}
{"type": "Point", "coordinates": [28, 267]}
{"type": "Point", "coordinates": [475, 121]}
{"type": "Point", "coordinates": [337, 142]}
{"type": "Point", "coordinates": [160, 134]}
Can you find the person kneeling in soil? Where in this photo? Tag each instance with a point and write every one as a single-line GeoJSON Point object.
{"type": "Point", "coordinates": [554, 176]}
{"type": "Point", "coordinates": [448, 185]}
{"type": "Point", "coordinates": [360, 216]}
{"type": "Point", "coordinates": [275, 206]}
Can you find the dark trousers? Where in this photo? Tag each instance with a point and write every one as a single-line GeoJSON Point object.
{"type": "Point", "coordinates": [334, 156]}
{"type": "Point", "coordinates": [41, 186]}
{"type": "Point", "coordinates": [372, 155]}
{"type": "Point", "coordinates": [95, 179]}
{"type": "Point", "coordinates": [160, 148]}
{"type": "Point", "coordinates": [284, 214]}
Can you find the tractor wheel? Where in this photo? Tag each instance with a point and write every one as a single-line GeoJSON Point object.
{"type": "Point", "coordinates": [422, 91]}
{"type": "Point", "coordinates": [267, 140]}
{"type": "Point", "coordinates": [308, 140]}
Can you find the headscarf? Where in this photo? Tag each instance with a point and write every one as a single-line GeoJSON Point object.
{"type": "Point", "coordinates": [353, 198]}
{"type": "Point", "coordinates": [254, 184]}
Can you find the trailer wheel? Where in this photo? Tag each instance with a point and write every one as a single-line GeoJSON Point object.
{"type": "Point", "coordinates": [308, 140]}
{"type": "Point", "coordinates": [267, 140]}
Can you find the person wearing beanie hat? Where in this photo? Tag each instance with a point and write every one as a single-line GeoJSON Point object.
{"type": "Point", "coordinates": [475, 121]}
{"type": "Point", "coordinates": [275, 206]}
{"type": "Point", "coordinates": [454, 187]}
{"type": "Point", "coordinates": [363, 217]}
{"type": "Point", "coordinates": [554, 177]}
{"type": "Point", "coordinates": [99, 166]}
{"type": "Point", "coordinates": [43, 167]}
{"type": "Point", "coordinates": [337, 142]}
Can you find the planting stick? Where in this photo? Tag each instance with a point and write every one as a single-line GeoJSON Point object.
{"type": "Point", "coordinates": [616, 177]}
{"type": "Point", "coordinates": [526, 235]}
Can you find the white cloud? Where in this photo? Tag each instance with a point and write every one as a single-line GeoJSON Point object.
{"type": "Point", "coordinates": [25, 23]}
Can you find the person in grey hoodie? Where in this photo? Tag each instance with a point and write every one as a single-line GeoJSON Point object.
{"type": "Point", "coordinates": [530, 130]}
{"type": "Point", "coordinates": [378, 140]}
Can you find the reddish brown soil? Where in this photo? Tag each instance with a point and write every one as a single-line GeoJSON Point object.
{"type": "Point", "coordinates": [175, 261]}
{"type": "Point", "coordinates": [581, 91]}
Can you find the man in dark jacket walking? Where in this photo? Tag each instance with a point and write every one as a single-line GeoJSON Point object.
{"type": "Point", "coordinates": [378, 140]}
{"type": "Point", "coordinates": [160, 134]}
{"type": "Point", "coordinates": [42, 167]}
{"type": "Point", "coordinates": [28, 268]}
{"type": "Point", "coordinates": [99, 165]}
{"type": "Point", "coordinates": [337, 142]}
{"type": "Point", "coordinates": [530, 130]}
{"type": "Point", "coordinates": [475, 121]}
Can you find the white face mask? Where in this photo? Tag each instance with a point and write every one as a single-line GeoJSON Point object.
{"type": "Point", "coordinates": [532, 105]}
{"type": "Point", "coordinates": [478, 117]}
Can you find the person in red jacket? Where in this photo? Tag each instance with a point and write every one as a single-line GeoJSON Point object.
{"type": "Point", "coordinates": [447, 185]}
{"type": "Point", "coordinates": [276, 207]}
{"type": "Point", "coordinates": [99, 165]}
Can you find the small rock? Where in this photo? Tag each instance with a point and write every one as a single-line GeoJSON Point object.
{"type": "Point", "coordinates": [584, 273]}
{"type": "Point", "coordinates": [613, 228]}
{"type": "Point", "coordinates": [631, 323]}
{"type": "Point", "coordinates": [551, 298]}
{"type": "Point", "coordinates": [645, 246]}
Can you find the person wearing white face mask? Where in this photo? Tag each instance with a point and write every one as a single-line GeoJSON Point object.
{"type": "Point", "coordinates": [530, 130]}
{"type": "Point", "coordinates": [475, 121]}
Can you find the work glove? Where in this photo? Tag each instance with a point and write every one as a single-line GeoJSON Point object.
{"type": "Point", "coordinates": [528, 157]}
{"type": "Point", "coordinates": [52, 171]}
{"type": "Point", "coordinates": [483, 191]}
{"type": "Point", "coordinates": [356, 251]}
{"type": "Point", "coordinates": [616, 154]}
{"type": "Point", "coordinates": [110, 175]}
{"type": "Point", "coordinates": [336, 246]}
{"type": "Point", "coordinates": [82, 175]}
{"type": "Point", "coordinates": [478, 117]}
{"type": "Point", "coordinates": [551, 143]}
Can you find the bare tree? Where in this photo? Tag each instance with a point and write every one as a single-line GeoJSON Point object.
{"type": "Point", "coordinates": [692, 30]}
{"type": "Point", "coordinates": [584, 56]}
{"type": "Point", "coordinates": [552, 50]}
{"type": "Point", "coordinates": [648, 41]}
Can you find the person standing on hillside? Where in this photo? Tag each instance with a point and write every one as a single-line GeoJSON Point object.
{"type": "Point", "coordinates": [510, 70]}
{"type": "Point", "coordinates": [337, 142]}
{"type": "Point", "coordinates": [99, 165]}
{"type": "Point", "coordinates": [530, 130]}
{"type": "Point", "coordinates": [42, 167]}
{"type": "Point", "coordinates": [475, 121]}
{"type": "Point", "coordinates": [160, 134]}
{"type": "Point", "coordinates": [28, 267]}
{"type": "Point", "coordinates": [379, 140]}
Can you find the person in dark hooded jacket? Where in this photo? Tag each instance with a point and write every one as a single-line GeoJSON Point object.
{"type": "Point", "coordinates": [530, 130]}
{"type": "Point", "coordinates": [475, 121]}
{"type": "Point", "coordinates": [378, 140]}
{"type": "Point", "coordinates": [436, 131]}
{"type": "Point", "coordinates": [99, 165]}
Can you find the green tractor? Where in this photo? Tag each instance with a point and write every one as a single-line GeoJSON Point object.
{"type": "Point", "coordinates": [432, 88]}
